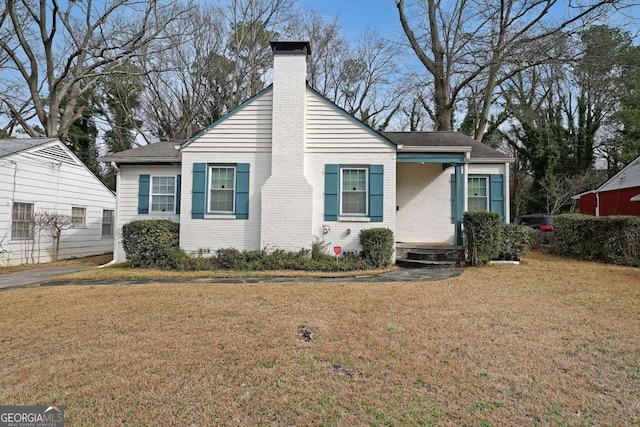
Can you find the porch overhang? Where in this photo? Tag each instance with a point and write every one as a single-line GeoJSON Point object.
{"type": "Point", "coordinates": [430, 157]}
{"type": "Point", "coordinates": [433, 154]}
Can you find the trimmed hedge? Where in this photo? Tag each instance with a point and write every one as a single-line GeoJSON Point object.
{"type": "Point", "coordinates": [377, 246]}
{"type": "Point", "coordinates": [483, 232]}
{"type": "Point", "coordinates": [153, 243]}
{"type": "Point", "coordinates": [611, 239]}
{"type": "Point", "coordinates": [515, 241]}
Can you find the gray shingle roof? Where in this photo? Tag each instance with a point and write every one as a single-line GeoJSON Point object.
{"type": "Point", "coordinates": [168, 152]}
{"type": "Point", "coordinates": [12, 146]}
{"type": "Point", "coordinates": [445, 139]}
{"type": "Point", "coordinates": [159, 152]}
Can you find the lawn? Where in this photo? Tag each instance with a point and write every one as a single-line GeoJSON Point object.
{"type": "Point", "coordinates": [549, 342]}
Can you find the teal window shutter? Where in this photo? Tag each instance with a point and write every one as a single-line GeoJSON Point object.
{"type": "Point", "coordinates": [143, 194]}
{"type": "Point", "coordinates": [376, 192]}
{"type": "Point", "coordinates": [453, 198]}
{"type": "Point", "coordinates": [198, 190]}
{"type": "Point", "coordinates": [331, 189]}
{"type": "Point", "coordinates": [178, 192]}
{"type": "Point", "coordinates": [497, 194]}
{"type": "Point", "coordinates": [242, 191]}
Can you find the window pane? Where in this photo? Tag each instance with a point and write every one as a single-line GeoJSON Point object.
{"type": "Point", "coordinates": [163, 190]}
{"type": "Point", "coordinates": [222, 178]}
{"type": "Point", "coordinates": [354, 180]}
{"type": "Point", "coordinates": [107, 223]}
{"type": "Point", "coordinates": [163, 185]}
{"type": "Point", "coordinates": [477, 203]}
{"type": "Point", "coordinates": [22, 225]}
{"type": "Point", "coordinates": [162, 204]}
{"type": "Point", "coordinates": [221, 201]}
{"type": "Point", "coordinates": [354, 203]}
{"type": "Point", "coordinates": [78, 216]}
{"type": "Point", "coordinates": [477, 187]}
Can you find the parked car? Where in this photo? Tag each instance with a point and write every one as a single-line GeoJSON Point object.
{"type": "Point", "coordinates": [542, 222]}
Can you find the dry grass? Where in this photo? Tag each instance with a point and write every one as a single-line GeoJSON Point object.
{"type": "Point", "coordinates": [552, 342]}
{"type": "Point", "coordinates": [90, 261]}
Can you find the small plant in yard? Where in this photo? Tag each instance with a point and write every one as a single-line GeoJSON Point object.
{"type": "Point", "coordinates": [483, 232]}
{"type": "Point", "coordinates": [515, 241]}
{"type": "Point", "coordinates": [153, 243]}
{"type": "Point", "coordinates": [377, 246]}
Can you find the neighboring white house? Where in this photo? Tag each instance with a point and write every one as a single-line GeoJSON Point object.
{"type": "Point", "coordinates": [42, 175]}
{"type": "Point", "coordinates": [288, 165]}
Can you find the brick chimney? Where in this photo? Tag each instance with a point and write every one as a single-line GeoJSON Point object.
{"type": "Point", "coordinates": [287, 196]}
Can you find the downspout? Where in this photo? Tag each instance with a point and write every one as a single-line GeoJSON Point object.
{"type": "Point", "coordinates": [116, 214]}
{"type": "Point", "coordinates": [597, 203]}
{"type": "Point", "coordinates": [507, 194]}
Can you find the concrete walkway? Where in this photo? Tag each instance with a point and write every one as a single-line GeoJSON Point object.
{"type": "Point", "coordinates": [36, 276]}
{"type": "Point", "coordinates": [399, 275]}
{"type": "Point", "coordinates": [46, 277]}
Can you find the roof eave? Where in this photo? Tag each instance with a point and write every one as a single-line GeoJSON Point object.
{"type": "Point", "coordinates": [130, 160]}
{"type": "Point", "coordinates": [434, 149]}
{"type": "Point", "coordinates": [492, 160]}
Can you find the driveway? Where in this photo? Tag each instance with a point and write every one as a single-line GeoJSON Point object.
{"type": "Point", "coordinates": [36, 276]}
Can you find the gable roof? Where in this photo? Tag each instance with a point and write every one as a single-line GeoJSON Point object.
{"type": "Point", "coordinates": [159, 152]}
{"type": "Point", "coordinates": [629, 176]}
{"type": "Point", "coordinates": [444, 139]}
{"type": "Point", "coordinates": [226, 116]}
{"type": "Point", "coordinates": [12, 146]}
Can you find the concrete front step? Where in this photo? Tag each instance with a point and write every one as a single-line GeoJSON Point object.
{"type": "Point", "coordinates": [421, 263]}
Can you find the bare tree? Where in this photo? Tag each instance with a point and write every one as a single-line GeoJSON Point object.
{"type": "Point", "coordinates": [358, 77]}
{"type": "Point", "coordinates": [55, 223]}
{"type": "Point", "coordinates": [222, 59]}
{"type": "Point", "coordinates": [471, 41]}
{"type": "Point", "coordinates": [58, 51]}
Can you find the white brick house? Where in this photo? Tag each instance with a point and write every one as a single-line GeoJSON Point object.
{"type": "Point", "coordinates": [288, 165]}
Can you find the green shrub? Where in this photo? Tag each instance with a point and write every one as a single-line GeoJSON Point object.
{"type": "Point", "coordinates": [611, 239]}
{"type": "Point", "coordinates": [153, 243]}
{"type": "Point", "coordinates": [233, 259]}
{"type": "Point", "coordinates": [483, 232]}
{"type": "Point", "coordinates": [377, 246]}
{"type": "Point", "coordinates": [516, 241]}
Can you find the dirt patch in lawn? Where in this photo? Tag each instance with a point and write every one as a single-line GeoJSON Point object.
{"type": "Point", "coordinates": [549, 342]}
{"type": "Point", "coordinates": [91, 261]}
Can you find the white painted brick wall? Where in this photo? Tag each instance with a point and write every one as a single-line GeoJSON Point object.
{"type": "Point", "coordinates": [347, 234]}
{"type": "Point", "coordinates": [287, 196]}
{"type": "Point", "coordinates": [215, 233]}
{"type": "Point", "coordinates": [424, 200]}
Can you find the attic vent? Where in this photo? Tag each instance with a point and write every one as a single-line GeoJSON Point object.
{"type": "Point", "coordinates": [56, 153]}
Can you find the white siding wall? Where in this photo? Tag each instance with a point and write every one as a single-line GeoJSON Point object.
{"type": "Point", "coordinates": [128, 199]}
{"type": "Point", "coordinates": [51, 186]}
{"type": "Point", "coordinates": [244, 137]}
{"type": "Point", "coordinates": [424, 201]}
{"type": "Point", "coordinates": [334, 138]}
{"type": "Point", "coordinates": [626, 178]}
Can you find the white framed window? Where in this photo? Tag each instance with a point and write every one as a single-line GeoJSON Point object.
{"type": "Point", "coordinates": [22, 221]}
{"type": "Point", "coordinates": [163, 194]}
{"type": "Point", "coordinates": [478, 191]}
{"type": "Point", "coordinates": [107, 223]}
{"type": "Point", "coordinates": [354, 185]}
{"type": "Point", "coordinates": [222, 188]}
{"type": "Point", "coordinates": [78, 217]}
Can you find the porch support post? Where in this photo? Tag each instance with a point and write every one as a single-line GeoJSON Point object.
{"type": "Point", "coordinates": [460, 196]}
